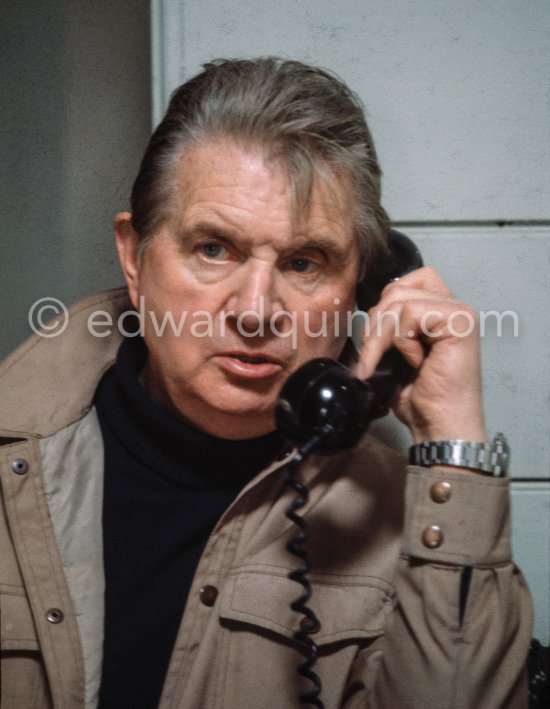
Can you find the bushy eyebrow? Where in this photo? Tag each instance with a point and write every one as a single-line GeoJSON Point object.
{"type": "Point", "coordinates": [337, 253]}
{"type": "Point", "coordinates": [205, 229]}
{"type": "Point", "coordinates": [321, 242]}
{"type": "Point", "coordinates": [189, 234]}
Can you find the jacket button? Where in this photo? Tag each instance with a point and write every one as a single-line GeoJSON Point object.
{"type": "Point", "coordinates": [440, 491]}
{"type": "Point", "coordinates": [19, 466]}
{"type": "Point", "coordinates": [208, 595]}
{"type": "Point", "coordinates": [310, 625]}
{"type": "Point", "coordinates": [54, 615]}
{"type": "Point", "coordinates": [432, 536]}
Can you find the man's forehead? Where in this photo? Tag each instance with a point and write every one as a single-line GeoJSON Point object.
{"type": "Point", "coordinates": [249, 171]}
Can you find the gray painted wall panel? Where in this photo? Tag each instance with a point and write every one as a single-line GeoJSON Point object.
{"type": "Point", "coordinates": [457, 93]}
{"type": "Point", "coordinates": [531, 544]}
{"type": "Point", "coordinates": [505, 269]}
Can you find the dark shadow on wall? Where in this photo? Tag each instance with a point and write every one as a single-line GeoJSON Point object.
{"type": "Point", "coordinates": [75, 119]}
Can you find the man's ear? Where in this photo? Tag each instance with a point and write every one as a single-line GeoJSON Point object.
{"type": "Point", "coordinates": [126, 244]}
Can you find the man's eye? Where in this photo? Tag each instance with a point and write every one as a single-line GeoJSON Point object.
{"type": "Point", "coordinates": [213, 250]}
{"type": "Point", "coordinates": [301, 265]}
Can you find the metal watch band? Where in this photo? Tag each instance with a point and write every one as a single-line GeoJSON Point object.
{"type": "Point", "coordinates": [487, 458]}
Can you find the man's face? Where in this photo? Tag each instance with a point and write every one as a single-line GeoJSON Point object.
{"type": "Point", "coordinates": [249, 279]}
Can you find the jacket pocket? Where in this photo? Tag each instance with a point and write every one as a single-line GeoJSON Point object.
{"type": "Point", "coordinates": [347, 607]}
{"type": "Point", "coordinates": [24, 681]}
{"type": "Point", "coordinates": [259, 652]}
{"type": "Point", "coordinates": [17, 631]}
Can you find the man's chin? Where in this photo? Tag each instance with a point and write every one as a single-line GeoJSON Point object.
{"type": "Point", "coordinates": [240, 423]}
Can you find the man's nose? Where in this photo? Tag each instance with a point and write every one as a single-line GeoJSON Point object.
{"type": "Point", "coordinates": [255, 297]}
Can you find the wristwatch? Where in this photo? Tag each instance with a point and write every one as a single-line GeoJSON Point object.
{"type": "Point", "coordinates": [486, 458]}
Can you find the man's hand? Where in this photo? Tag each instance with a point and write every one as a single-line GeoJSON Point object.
{"type": "Point", "coordinates": [439, 337]}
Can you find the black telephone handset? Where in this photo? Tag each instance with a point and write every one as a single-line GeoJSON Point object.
{"type": "Point", "coordinates": [322, 401]}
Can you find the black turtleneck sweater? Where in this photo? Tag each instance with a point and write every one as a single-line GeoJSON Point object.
{"type": "Point", "coordinates": [166, 485]}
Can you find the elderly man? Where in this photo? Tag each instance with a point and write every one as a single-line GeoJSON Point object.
{"type": "Point", "coordinates": [144, 558]}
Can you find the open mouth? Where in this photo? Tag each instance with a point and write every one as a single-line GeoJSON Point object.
{"type": "Point", "coordinates": [250, 360]}
{"type": "Point", "coordinates": [248, 366]}
{"type": "Point", "coordinates": [244, 365]}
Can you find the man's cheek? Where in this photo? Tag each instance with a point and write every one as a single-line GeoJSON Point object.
{"type": "Point", "coordinates": [286, 324]}
{"type": "Point", "coordinates": [324, 327]}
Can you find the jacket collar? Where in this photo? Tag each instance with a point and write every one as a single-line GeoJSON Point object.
{"type": "Point", "coordinates": [49, 382]}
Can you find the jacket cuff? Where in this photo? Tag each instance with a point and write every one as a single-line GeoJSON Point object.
{"type": "Point", "coordinates": [457, 518]}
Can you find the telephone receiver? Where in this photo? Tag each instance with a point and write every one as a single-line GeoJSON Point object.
{"type": "Point", "coordinates": [322, 401]}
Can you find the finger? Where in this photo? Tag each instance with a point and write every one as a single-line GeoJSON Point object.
{"type": "Point", "coordinates": [413, 327]}
{"type": "Point", "coordinates": [399, 292]}
{"type": "Point", "coordinates": [425, 278]}
{"type": "Point", "coordinates": [388, 336]}
{"type": "Point", "coordinates": [379, 332]}
{"type": "Point", "coordinates": [384, 325]}
{"type": "Point", "coordinates": [437, 320]}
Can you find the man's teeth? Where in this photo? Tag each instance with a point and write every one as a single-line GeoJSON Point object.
{"type": "Point", "coordinates": [250, 360]}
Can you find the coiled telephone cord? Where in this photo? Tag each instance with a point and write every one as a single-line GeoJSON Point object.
{"type": "Point", "coordinates": [310, 622]}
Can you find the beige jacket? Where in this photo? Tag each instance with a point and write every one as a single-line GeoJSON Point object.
{"type": "Point", "coordinates": [390, 634]}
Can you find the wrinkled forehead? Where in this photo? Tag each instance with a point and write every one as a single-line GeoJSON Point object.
{"type": "Point", "coordinates": [307, 178]}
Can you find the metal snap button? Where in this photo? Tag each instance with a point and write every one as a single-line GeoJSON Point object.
{"type": "Point", "coordinates": [310, 625]}
{"type": "Point", "coordinates": [432, 536]}
{"type": "Point", "coordinates": [208, 595]}
{"type": "Point", "coordinates": [54, 615]}
{"type": "Point", "coordinates": [19, 466]}
{"type": "Point", "coordinates": [441, 491]}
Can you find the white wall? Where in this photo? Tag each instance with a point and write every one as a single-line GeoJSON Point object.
{"type": "Point", "coordinates": [457, 99]}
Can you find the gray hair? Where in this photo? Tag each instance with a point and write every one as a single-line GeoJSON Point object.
{"type": "Point", "coordinates": [302, 116]}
